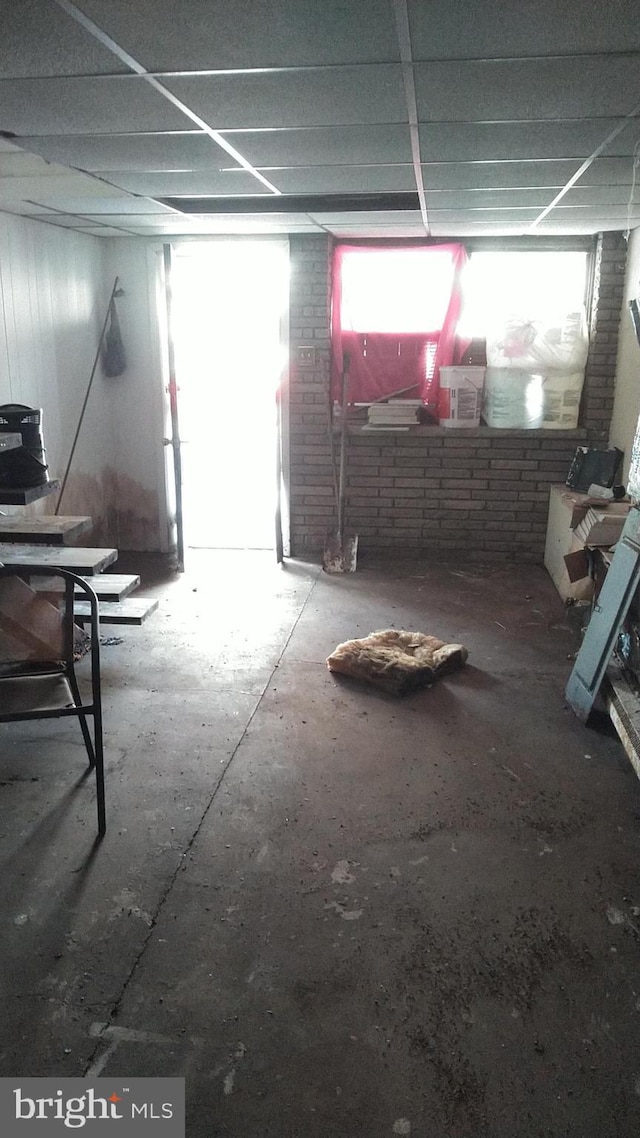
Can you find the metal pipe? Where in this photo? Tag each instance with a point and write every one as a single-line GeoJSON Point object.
{"type": "Point", "coordinates": [114, 290]}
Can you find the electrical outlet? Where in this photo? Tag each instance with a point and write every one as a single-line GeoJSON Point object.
{"type": "Point", "coordinates": [306, 355]}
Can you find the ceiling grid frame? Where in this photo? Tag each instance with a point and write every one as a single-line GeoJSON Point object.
{"type": "Point", "coordinates": [79, 16]}
{"type": "Point", "coordinates": [503, 128]}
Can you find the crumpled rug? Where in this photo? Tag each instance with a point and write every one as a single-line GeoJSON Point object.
{"type": "Point", "coordinates": [397, 661]}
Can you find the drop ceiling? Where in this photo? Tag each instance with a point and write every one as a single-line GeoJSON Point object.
{"type": "Point", "coordinates": [361, 118]}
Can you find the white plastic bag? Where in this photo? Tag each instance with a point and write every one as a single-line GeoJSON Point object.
{"type": "Point", "coordinates": [537, 345]}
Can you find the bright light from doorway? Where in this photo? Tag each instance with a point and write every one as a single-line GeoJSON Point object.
{"type": "Point", "coordinates": [229, 303]}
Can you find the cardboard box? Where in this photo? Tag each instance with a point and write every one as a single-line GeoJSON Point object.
{"type": "Point", "coordinates": [576, 523]}
{"type": "Point", "coordinates": [603, 526]}
{"type": "Point", "coordinates": [30, 626]}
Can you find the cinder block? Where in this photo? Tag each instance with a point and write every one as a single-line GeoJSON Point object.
{"type": "Point", "coordinates": [512, 464]}
{"type": "Point", "coordinates": [493, 495]}
{"type": "Point", "coordinates": [467, 442]}
{"type": "Point", "coordinates": [474, 485]}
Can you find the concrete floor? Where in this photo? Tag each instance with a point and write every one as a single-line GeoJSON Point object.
{"type": "Point", "coordinates": [334, 912]}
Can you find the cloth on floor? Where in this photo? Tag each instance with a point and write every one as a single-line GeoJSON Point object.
{"type": "Point", "coordinates": [397, 661]}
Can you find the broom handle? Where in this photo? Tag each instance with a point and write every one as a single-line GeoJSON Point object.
{"type": "Point", "coordinates": [86, 397]}
{"type": "Point", "coordinates": [346, 360]}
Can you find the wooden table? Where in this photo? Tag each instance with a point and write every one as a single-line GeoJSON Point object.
{"type": "Point", "coordinates": [74, 558]}
{"type": "Point", "coordinates": [54, 530]}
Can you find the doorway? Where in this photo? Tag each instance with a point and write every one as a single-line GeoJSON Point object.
{"type": "Point", "coordinates": [229, 312]}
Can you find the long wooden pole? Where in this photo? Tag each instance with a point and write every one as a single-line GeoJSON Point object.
{"type": "Point", "coordinates": [86, 396]}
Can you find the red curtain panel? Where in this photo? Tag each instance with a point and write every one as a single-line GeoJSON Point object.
{"type": "Point", "coordinates": [395, 310]}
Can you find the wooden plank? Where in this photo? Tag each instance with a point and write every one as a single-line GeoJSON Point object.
{"type": "Point", "coordinates": [607, 618]}
{"type": "Point", "coordinates": [134, 610]}
{"type": "Point", "coordinates": [112, 586]}
{"type": "Point", "coordinates": [13, 496]}
{"type": "Point", "coordinates": [74, 558]}
{"type": "Point", "coordinates": [51, 531]}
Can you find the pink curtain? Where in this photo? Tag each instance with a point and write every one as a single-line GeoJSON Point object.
{"type": "Point", "coordinates": [395, 310]}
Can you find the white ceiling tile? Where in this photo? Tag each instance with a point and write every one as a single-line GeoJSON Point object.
{"type": "Point", "coordinates": [382, 230]}
{"type": "Point", "coordinates": [374, 217]}
{"type": "Point", "coordinates": [197, 34]}
{"type": "Point", "coordinates": [439, 142]}
{"type": "Point", "coordinates": [40, 39]}
{"type": "Point", "coordinates": [188, 185]}
{"type": "Point", "coordinates": [608, 172]}
{"type": "Point", "coordinates": [50, 190]}
{"type": "Point", "coordinates": [472, 91]}
{"type": "Point", "coordinates": [600, 196]}
{"type": "Point", "coordinates": [343, 179]}
{"type": "Point", "coordinates": [105, 232]}
{"type": "Point", "coordinates": [23, 209]}
{"type": "Point", "coordinates": [190, 150]}
{"type": "Point", "coordinates": [268, 220]}
{"type": "Point", "coordinates": [84, 106]}
{"type": "Point", "coordinates": [489, 28]}
{"type": "Point", "coordinates": [124, 204]}
{"type": "Point", "coordinates": [513, 175]}
{"type": "Point", "coordinates": [468, 229]}
{"type": "Point", "coordinates": [134, 220]}
{"type": "Point", "coordinates": [612, 212]}
{"type": "Point", "coordinates": [497, 175]}
{"type": "Point", "coordinates": [340, 96]}
{"type": "Point", "coordinates": [320, 146]}
{"type": "Point", "coordinates": [482, 199]}
{"type": "Point", "coordinates": [519, 217]}
{"type": "Point", "coordinates": [17, 164]}
{"type": "Point", "coordinates": [577, 227]}
{"type": "Point", "coordinates": [62, 220]}
{"type": "Point", "coordinates": [232, 224]}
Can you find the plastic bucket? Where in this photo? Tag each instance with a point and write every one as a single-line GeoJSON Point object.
{"type": "Point", "coordinates": [561, 400]}
{"type": "Point", "coordinates": [513, 398]}
{"type": "Point", "coordinates": [460, 396]}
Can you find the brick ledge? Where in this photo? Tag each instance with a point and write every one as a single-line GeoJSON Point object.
{"type": "Point", "coordinates": [575, 433]}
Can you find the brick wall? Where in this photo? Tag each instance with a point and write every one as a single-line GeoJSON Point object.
{"type": "Point", "coordinates": [482, 491]}
{"type": "Point", "coordinates": [608, 291]}
{"type": "Point", "coordinates": [311, 488]}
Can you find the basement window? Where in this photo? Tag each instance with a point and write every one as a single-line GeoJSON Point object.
{"type": "Point", "coordinates": [394, 318]}
{"type": "Point", "coordinates": [543, 287]}
{"type": "Point", "coordinates": [399, 314]}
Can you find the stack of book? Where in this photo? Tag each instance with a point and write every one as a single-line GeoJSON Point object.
{"type": "Point", "coordinates": [602, 527]}
{"type": "Point", "coordinates": [397, 414]}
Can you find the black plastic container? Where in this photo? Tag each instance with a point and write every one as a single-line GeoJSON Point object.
{"type": "Point", "coordinates": [25, 465]}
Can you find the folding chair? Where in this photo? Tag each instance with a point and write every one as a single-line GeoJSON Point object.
{"type": "Point", "coordinates": [38, 644]}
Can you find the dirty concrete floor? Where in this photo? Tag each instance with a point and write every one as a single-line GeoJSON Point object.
{"type": "Point", "coordinates": [333, 912]}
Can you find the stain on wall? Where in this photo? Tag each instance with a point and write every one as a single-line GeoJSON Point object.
{"type": "Point", "coordinates": [124, 513]}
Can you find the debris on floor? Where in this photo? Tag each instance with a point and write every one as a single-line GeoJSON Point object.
{"type": "Point", "coordinates": [111, 641]}
{"type": "Point", "coordinates": [397, 661]}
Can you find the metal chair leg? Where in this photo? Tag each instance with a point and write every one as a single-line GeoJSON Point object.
{"type": "Point", "coordinates": [99, 768]}
{"type": "Point", "coordinates": [86, 734]}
